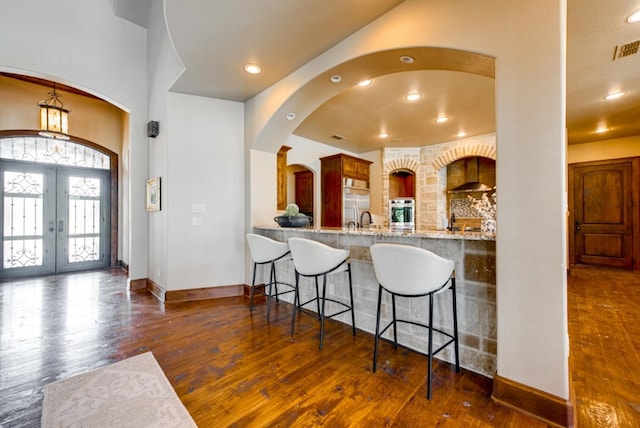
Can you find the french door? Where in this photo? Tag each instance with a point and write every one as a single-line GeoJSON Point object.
{"type": "Point", "coordinates": [54, 219]}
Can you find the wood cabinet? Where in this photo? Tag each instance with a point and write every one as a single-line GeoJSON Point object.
{"type": "Point", "coordinates": [304, 191]}
{"type": "Point", "coordinates": [402, 184]}
{"type": "Point", "coordinates": [355, 168]}
{"type": "Point", "coordinates": [281, 168]}
{"type": "Point", "coordinates": [333, 169]}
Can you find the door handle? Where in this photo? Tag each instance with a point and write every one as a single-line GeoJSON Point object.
{"type": "Point", "coordinates": [60, 225]}
{"type": "Point", "coordinates": [578, 226]}
{"type": "Point", "coordinates": [52, 225]}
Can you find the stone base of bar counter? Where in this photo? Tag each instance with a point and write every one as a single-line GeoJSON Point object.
{"type": "Point", "coordinates": [474, 256]}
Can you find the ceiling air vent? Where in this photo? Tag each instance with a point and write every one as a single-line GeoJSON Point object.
{"type": "Point", "coordinates": [337, 137]}
{"type": "Point", "coordinates": [626, 50]}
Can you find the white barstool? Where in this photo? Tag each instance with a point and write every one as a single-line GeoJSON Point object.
{"type": "Point", "coordinates": [313, 259]}
{"type": "Point", "coordinates": [267, 251]}
{"type": "Point", "coordinates": [407, 271]}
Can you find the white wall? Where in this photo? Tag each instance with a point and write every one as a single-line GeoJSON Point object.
{"type": "Point", "coordinates": [164, 68]}
{"type": "Point", "coordinates": [199, 157]}
{"type": "Point", "coordinates": [530, 97]}
{"type": "Point", "coordinates": [376, 203]}
{"type": "Point", "coordinates": [91, 49]}
{"type": "Point", "coordinates": [204, 166]}
{"type": "Point", "coordinates": [263, 186]}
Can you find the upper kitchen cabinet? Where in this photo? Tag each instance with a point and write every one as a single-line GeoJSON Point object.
{"type": "Point", "coordinates": [333, 172]}
{"type": "Point", "coordinates": [355, 168]}
{"type": "Point", "coordinates": [347, 166]}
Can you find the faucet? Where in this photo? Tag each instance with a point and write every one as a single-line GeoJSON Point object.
{"type": "Point", "coordinates": [362, 217]}
{"type": "Point", "coordinates": [351, 223]}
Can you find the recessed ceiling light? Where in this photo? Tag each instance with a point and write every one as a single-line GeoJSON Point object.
{"type": "Point", "coordinates": [383, 135]}
{"type": "Point", "coordinates": [442, 119]}
{"type": "Point", "coordinates": [365, 82]}
{"type": "Point", "coordinates": [336, 78]}
{"type": "Point", "coordinates": [413, 96]}
{"type": "Point", "coordinates": [602, 129]}
{"type": "Point", "coordinates": [462, 134]}
{"type": "Point", "coordinates": [614, 95]}
{"type": "Point", "coordinates": [407, 59]}
{"type": "Point", "coordinates": [252, 68]}
{"type": "Point", "coordinates": [634, 17]}
{"type": "Point", "coordinates": [291, 116]}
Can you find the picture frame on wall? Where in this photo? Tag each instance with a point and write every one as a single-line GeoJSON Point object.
{"type": "Point", "coordinates": [153, 194]}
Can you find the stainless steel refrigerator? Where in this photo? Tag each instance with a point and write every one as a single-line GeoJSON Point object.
{"type": "Point", "coordinates": [355, 194]}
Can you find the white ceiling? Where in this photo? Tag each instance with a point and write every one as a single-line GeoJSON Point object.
{"type": "Point", "coordinates": [214, 39]}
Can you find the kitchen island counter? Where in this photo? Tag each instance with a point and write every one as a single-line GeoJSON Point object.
{"type": "Point", "coordinates": [385, 232]}
{"type": "Point", "coordinates": [474, 257]}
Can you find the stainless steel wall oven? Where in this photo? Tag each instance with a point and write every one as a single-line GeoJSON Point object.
{"type": "Point", "coordinates": [402, 214]}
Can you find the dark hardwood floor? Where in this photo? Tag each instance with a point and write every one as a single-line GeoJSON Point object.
{"type": "Point", "coordinates": [604, 334]}
{"type": "Point", "coordinates": [231, 369]}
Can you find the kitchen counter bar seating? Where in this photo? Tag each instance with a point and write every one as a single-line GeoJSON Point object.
{"type": "Point", "coordinates": [314, 259]}
{"type": "Point", "coordinates": [406, 271]}
{"type": "Point", "coordinates": [268, 251]}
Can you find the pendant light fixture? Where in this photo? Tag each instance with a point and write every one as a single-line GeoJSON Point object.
{"type": "Point", "coordinates": [54, 118]}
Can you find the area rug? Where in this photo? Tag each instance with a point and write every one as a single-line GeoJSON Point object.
{"type": "Point", "coordinates": [130, 393]}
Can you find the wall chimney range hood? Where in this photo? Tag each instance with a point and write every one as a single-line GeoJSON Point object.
{"type": "Point", "coordinates": [472, 174]}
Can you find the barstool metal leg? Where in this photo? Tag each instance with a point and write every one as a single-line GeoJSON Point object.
{"type": "Point", "coordinates": [274, 280]}
{"type": "Point", "coordinates": [296, 302]}
{"type": "Point", "coordinates": [430, 356]}
{"type": "Point", "coordinates": [317, 295]}
{"type": "Point", "coordinates": [395, 328]}
{"type": "Point", "coordinates": [253, 286]}
{"type": "Point", "coordinates": [324, 293]}
{"type": "Point", "coordinates": [353, 315]}
{"type": "Point", "coordinates": [377, 336]}
{"type": "Point", "coordinates": [455, 323]}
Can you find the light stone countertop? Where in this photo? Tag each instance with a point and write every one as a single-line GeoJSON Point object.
{"type": "Point", "coordinates": [437, 234]}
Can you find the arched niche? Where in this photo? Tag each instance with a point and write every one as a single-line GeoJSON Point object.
{"type": "Point", "coordinates": [402, 184]}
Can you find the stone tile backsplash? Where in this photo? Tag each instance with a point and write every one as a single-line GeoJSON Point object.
{"type": "Point", "coordinates": [462, 208]}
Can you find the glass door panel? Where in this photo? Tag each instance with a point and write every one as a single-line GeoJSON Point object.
{"type": "Point", "coordinates": [27, 245]}
{"type": "Point", "coordinates": [83, 219]}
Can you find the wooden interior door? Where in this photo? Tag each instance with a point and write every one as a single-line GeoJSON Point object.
{"type": "Point", "coordinates": [304, 191]}
{"type": "Point", "coordinates": [604, 213]}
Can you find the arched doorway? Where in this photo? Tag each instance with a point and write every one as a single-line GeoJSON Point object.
{"type": "Point", "coordinates": [56, 205]}
{"type": "Point", "coordinates": [301, 191]}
